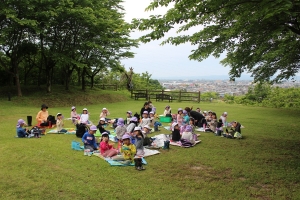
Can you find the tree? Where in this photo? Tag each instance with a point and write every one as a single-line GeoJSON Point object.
{"type": "Point", "coordinates": [261, 37]}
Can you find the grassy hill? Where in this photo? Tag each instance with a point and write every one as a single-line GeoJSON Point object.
{"type": "Point", "coordinates": [263, 165]}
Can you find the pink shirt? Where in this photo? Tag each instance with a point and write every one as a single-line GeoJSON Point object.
{"type": "Point", "coordinates": [104, 146]}
{"type": "Point", "coordinates": [179, 120]}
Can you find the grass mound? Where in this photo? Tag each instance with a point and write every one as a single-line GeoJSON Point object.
{"type": "Point", "coordinates": [33, 96]}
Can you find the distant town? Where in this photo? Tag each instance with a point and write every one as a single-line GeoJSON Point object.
{"type": "Point", "coordinates": [222, 87]}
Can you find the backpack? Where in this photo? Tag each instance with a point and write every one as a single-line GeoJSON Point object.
{"type": "Point", "coordinates": [35, 132]}
{"type": "Point", "coordinates": [115, 123]}
{"type": "Point", "coordinates": [137, 116]}
{"type": "Point", "coordinates": [186, 143]}
{"type": "Point", "coordinates": [81, 129]}
{"type": "Point", "coordinates": [51, 119]}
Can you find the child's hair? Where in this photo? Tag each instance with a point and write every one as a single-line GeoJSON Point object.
{"type": "Point", "coordinates": [105, 135]}
{"type": "Point", "coordinates": [146, 103]}
{"type": "Point", "coordinates": [192, 119]}
{"type": "Point", "coordinates": [140, 133]}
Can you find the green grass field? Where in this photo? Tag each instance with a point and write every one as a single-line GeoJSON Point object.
{"type": "Point", "coordinates": [263, 165]}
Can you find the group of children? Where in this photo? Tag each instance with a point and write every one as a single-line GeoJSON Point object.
{"type": "Point", "coordinates": [132, 133]}
{"type": "Point", "coordinates": [183, 124]}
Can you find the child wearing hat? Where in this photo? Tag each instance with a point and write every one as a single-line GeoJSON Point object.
{"type": "Point", "coordinates": [74, 115]}
{"type": "Point", "coordinates": [120, 129]}
{"type": "Point", "coordinates": [106, 149]}
{"type": "Point", "coordinates": [128, 117]}
{"type": "Point", "coordinates": [188, 135]}
{"type": "Point", "coordinates": [179, 119]}
{"type": "Point", "coordinates": [146, 120]}
{"type": "Point", "coordinates": [84, 117]}
{"type": "Point", "coordinates": [167, 112]}
{"type": "Point", "coordinates": [139, 144]}
{"type": "Point", "coordinates": [104, 113]}
{"type": "Point", "coordinates": [175, 132]}
{"type": "Point", "coordinates": [224, 118]}
{"type": "Point", "coordinates": [60, 124]}
{"type": "Point", "coordinates": [22, 132]}
{"type": "Point", "coordinates": [101, 126]}
{"type": "Point", "coordinates": [145, 132]}
{"type": "Point", "coordinates": [133, 123]}
{"type": "Point", "coordinates": [128, 151]}
{"type": "Point", "coordinates": [42, 116]}
{"type": "Point", "coordinates": [89, 140]}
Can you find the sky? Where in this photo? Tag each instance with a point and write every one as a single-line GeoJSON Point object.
{"type": "Point", "coordinates": [167, 60]}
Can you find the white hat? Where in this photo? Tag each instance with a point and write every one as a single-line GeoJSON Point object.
{"type": "Point", "coordinates": [58, 114]}
{"type": "Point", "coordinates": [225, 113]}
{"type": "Point", "coordinates": [148, 127]}
{"type": "Point", "coordinates": [137, 128]}
{"type": "Point", "coordinates": [104, 108]}
{"type": "Point", "coordinates": [102, 119]}
{"type": "Point", "coordinates": [85, 109]}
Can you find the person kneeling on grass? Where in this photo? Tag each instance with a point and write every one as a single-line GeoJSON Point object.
{"type": "Point", "coordinates": [21, 132]}
{"type": "Point", "coordinates": [89, 140]}
{"type": "Point", "coordinates": [106, 149]}
{"type": "Point", "coordinates": [128, 151]}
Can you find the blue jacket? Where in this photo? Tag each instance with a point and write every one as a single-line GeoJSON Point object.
{"type": "Point", "coordinates": [90, 139]}
{"type": "Point", "coordinates": [21, 132]}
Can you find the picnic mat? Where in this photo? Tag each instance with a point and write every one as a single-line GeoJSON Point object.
{"type": "Point", "coordinates": [118, 163]}
{"type": "Point", "coordinates": [70, 131]}
{"type": "Point", "coordinates": [167, 128]}
{"type": "Point", "coordinates": [179, 143]}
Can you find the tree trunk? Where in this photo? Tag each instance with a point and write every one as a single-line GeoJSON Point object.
{"type": "Point", "coordinates": [18, 85]}
{"type": "Point", "coordinates": [17, 78]}
{"type": "Point", "coordinates": [92, 81]}
{"type": "Point", "coordinates": [82, 79]}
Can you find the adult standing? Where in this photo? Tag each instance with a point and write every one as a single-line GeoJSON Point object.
{"type": "Point", "coordinates": [199, 118]}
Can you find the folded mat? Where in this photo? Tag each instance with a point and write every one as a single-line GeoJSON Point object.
{"type": "Point", "coordinates": [119, 163]}
{"type": "Point", "coordinates": [70, 131]}
{"type": "Point", "coordinates": [180, 145]}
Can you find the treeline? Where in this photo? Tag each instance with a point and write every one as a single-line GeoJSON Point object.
{"type": "Point", "coordinates": [61, 42]}
{"type": "Point", "coordinates": [264, 94]}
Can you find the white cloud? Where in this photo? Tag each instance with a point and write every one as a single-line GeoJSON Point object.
{"type": "Point", "coordinates": [167, 60]}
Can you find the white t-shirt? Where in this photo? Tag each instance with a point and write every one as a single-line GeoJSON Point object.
{"type": "Point", "coordinates": [84, 118]}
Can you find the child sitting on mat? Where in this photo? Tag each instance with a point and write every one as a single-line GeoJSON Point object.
{"type": "Point", "coordinates": [74, 115]}
{"type": "Point", "coordinates": [84, 117]}
{"type": "Point", "coordinates": [128, 117]}
{"type": "Point", "coordinates": [106, 149]}
{"type": "Point", "coordinates": [188, 135]}
{"type": "Point", "coordinates": [60, 124]}
{"type": "Point", "coordinates": [128, 151]}
{"type": "Point", "coordinates": [89, 140]}
{"type": "Point", "coordinates": [139, 141]}
{"type": "Point", "coordinates": [175, 132]}
{"type": "Point", "coordinates": [120, 129]}
{"type": "Point", "coordinates": [146, 120]}
{"type": "Point", "coordinates": [21, 132]}
{"type": "Point", "coordinates": [101, 126]}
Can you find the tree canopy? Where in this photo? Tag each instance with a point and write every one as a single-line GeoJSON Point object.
{"type": "Point", "coordinates": [260, 37]}
{"type": "Point", "coordinates": [49, 40]}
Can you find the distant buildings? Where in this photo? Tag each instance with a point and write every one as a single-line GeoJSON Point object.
{"type": "Point", "coordinates": [222, 87]}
